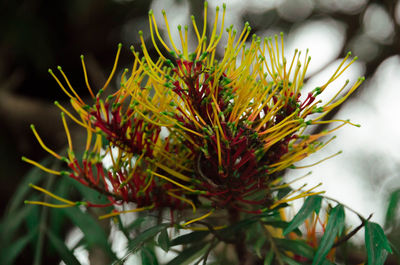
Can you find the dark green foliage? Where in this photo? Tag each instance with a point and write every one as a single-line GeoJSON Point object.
{"type": "Point", "coordinates": [333, 229]}
{"type": "Point", "coordinates": [376, 243]}
{"type": "Point", "coordinates": [312, 204]}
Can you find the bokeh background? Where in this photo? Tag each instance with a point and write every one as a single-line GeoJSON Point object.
{"type": "Point", "coordinates": [39, 34]}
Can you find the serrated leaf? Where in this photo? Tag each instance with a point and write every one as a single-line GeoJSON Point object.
{"type": "Point", "coordinates": [295, 246]}
{"type": "Point", "coordinates": [376, 244]}
{"type": "Point", "coordinates": [333, 229]}
{"type": "Point", "coordinates": [148, 256]}
{"type": "Point", "coordinates": [195, 236]}
{"type": "Point", "coordinates": [394, 201]}
{"type": "Point", "coordinates": [163, 240]}
{"type": "Point", "coordinates": [190, 254]}
{"type": "Point", "coordinates": [64, 253]}
{"type": "Point", "coordinates": [269, 258]}
{"type": "Point", "coordinates": [312, 204]}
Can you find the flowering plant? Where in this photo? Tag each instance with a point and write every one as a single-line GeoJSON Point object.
{"type": "Point", "coordinates": [190, 130]}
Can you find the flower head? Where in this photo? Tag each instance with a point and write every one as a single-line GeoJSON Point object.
{"type": "Point", "coordinates": [231, 124]}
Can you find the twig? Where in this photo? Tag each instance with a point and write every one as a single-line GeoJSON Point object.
{"type": "Point", "coordinates": [352, 233]}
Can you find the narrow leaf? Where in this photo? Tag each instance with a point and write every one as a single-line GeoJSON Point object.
{"type": "Point", "coordinates": [195, 236]}
{"type": "Point", "coordinates": [289, 261]}
{"type": "Point", "coordinates": [333, 228]}
{"type": "Point", "coordinates": [297, 247]}
{"type": "Point", "coordinates": [163, 240]}
{"type": "Point", "coordinates": [376, 244]}
{"type": "Point", "coordinates": [190, 254]}
{"type": "Point", "coordinates": [65, 254]}
{"type": "Point", "coordinates": [11, 252]}
{"type": "Point", "coordinates": [269, 258]}
{"type": "Point", "coordinates": [312, 204]}
{"type": "Point", "coordinates": [94, 233]}
{"type": "Point", "coordinates": [134, 244]}
{"type": "Point", "coordinates": [148, 256]}
{"type": "Point", "coordinates": [394, 201]}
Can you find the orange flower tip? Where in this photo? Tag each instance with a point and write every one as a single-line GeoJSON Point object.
{"type": "Point", "coordinates": [140, 33]}
{"type": "Point", "coordinates": [59, 68]}
{"type": "Point", "coordinates": [119, 45]}
{"type": "Point", "coordinates": [50, 71]}
{"type": "Point", "coordinates": [82, 56]}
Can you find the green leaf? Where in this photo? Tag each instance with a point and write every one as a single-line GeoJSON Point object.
{"type": "Point", "coordinates": [289, 261]}
{"type": "Point", "coordinates": [148, 256]}
{"type": "Point", "coordinates": [283, 192]}
{"type": "Point", "coordinates": [195, 236]}
{"type": "Point", "coordinates": [376, 244]}
{"type": "Point", "coordinates": [90, 227]}
{"type": "Point", "coordinates": [333, 229]}
{"type": "Point", "coordinates": [11, 252]}
{"type": "Point", "coordinates": [312, 204]}
{"type": "Point", "coordinates": [269, 258]}
{"type": "Point", "coordinates": [297, 247]}
{"type": "Point", "coordinates": [259, 244]}
{"type": "Point", "coordinates": [394, 201]}
{"type": "Point", "coordinates": [12, 222]}
{"type": "Point", "coordinates": [190, 254]}
{"type": "Point", "coordinates": [163, 240]}
{"type": "Point", "coordinates": [142, 237]}
{"type": "Point", "coordinates": [64, 253]}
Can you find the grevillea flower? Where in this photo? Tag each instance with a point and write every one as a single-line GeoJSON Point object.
{"type": "Point", "coordinates": [233, 123]}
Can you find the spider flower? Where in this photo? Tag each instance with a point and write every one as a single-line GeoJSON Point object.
{"type": "Point", "coordinates": [233, 123]}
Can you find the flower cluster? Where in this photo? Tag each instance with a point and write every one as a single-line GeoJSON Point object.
{"type": "Point", "coordinates": [195, 129]}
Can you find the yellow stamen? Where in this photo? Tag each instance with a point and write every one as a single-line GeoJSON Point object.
{"type": "Point", "coordinates": [42, 144]}
{"type": "Point", "coordinates": [128, 211]}
{"type": "Point", "coordinates": [199, 218]}
{"type": "Point", "coordinates": [69, 84]}
{"type": "Point", "coordinates": [183, 199]}
{"type": "Point", "coordinates": [114, 68]}
{"type": "Point", "coordinates": [67, 131]}
{"type": "Point", "coordinates": [86, 77]}
{"type": "Point", "coordinates": [174, 182]}
{"type": "Point", "coordinates": [36, 164]}
{"type": "Point", "coordinates": [71, 203]}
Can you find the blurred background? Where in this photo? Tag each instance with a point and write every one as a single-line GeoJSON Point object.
{"type": "Point", "coordinates": [39, 34]}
